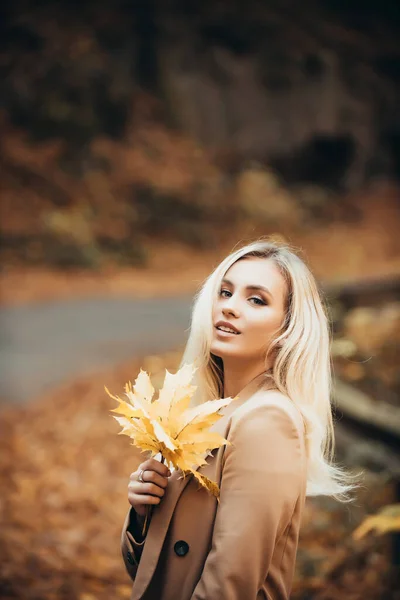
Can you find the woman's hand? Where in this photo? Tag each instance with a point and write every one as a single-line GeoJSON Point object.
{"type": "Point", "coordinates": [155, 480]}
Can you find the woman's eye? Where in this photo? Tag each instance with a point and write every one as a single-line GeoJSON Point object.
{"type": "Point", "coordinates": [225, 293]}
{"type": "Point", "coordinates": [258, 301]}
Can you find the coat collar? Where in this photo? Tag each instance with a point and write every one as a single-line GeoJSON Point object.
{"type": "Point", "coordinates": [162, 515]}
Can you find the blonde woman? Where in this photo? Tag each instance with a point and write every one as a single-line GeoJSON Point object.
{"type": "Point", "coordinates": [259, 332]}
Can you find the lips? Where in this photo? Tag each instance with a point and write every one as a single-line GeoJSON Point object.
{"type": "Point", "coordinates": [227, 327]}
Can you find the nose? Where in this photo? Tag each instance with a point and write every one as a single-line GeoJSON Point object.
{"type": "Point", "coordinates": [229, 309]}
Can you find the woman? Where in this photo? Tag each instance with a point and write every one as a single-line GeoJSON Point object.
{"type": "Point", "coordinates": [258, 332]}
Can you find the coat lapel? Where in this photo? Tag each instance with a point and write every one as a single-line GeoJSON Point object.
{"type": "Point", "coordinates": [162, 514]}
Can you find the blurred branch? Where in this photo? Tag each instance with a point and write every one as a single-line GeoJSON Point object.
{"type": "Point", "coordinates": [357, 405]}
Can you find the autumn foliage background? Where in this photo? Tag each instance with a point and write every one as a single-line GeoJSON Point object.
{"type": "Point", "coordinates": [139, 143]}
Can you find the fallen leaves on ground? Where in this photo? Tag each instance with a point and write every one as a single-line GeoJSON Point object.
{"type": "Point", "coordinates": [336, 251]}
{"type": "Point", "coordinates": [64, 474]}
{"type": "Point", "coordinates": [388, 519]}
{"type": "Point", "coordinates": [171, 270]}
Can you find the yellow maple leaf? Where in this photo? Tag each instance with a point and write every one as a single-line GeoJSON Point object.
{"type": "Point", "coordinates": [168, 425]}
{"type": "Point", "coordinates": [388, 519]}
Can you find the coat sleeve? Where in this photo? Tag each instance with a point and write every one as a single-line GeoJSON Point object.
{"type": "Point", "coordinates": [131, 549]}
{"type": "Point", "coordinates": [261, 481]}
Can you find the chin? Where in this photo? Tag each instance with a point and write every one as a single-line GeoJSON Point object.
{"type": "Point", "coordinates": [215, 350]}
{"type": "Point", "coordinates": [224, 352]}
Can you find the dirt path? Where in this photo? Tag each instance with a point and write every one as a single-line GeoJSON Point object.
{"type": "Point", "coordinates": [45, 344]}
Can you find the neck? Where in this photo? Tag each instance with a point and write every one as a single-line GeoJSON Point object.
{"type": "Point", "coordinates": [238, 376]}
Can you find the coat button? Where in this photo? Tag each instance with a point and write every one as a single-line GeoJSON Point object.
{"type": "Point", "coordinates": [181, 548]}
{"type": "Point", "coordinates": [129, 558]}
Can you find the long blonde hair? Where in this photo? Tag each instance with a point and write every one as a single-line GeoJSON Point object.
{"type": "Point", "coordinates": [302, 366]}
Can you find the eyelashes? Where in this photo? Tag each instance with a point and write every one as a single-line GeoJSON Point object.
{"type": "Point", "coordinates": [222, 292]}
{"type": "Point", "coordinates": [257, 301]}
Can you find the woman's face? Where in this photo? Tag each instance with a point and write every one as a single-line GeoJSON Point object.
{"type": "Point", "coordinates": [251, 302]}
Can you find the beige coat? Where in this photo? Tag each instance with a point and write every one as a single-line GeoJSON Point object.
{"type": "Point", "coordinates": [243, 548]}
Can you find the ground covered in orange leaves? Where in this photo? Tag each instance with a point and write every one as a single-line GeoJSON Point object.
{"type": "Point", "coordinates": [172, 271]}
{"type": "Point", "coordinates": [337, 252]}
{"type": "Point", "coordinates": [64, 474]}
{"type": "Point", "coordinates": [162, 211]}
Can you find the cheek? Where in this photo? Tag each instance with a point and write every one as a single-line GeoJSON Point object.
{"type": "Point", "coordinates": [263, 325]}
{"type": "Point", "coordinates": [260, 321]}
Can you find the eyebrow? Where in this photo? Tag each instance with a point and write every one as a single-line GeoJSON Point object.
{"type": "Point", "coordinates": [250, 287]}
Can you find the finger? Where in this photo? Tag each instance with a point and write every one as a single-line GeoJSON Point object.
{"type": "Point", "coordinates": [146, 488]}
{"type": "Point", "coordinates": [136, 500]}
{"type": "Point", "coordinates": [156, 478]}
{"type": "Point", "coordinates": [149, 477]}
{"type": "Point", "coordinates": [154, 465]}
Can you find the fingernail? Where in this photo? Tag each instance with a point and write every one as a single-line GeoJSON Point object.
{"type": "Point", "coordinates": [169, 473]}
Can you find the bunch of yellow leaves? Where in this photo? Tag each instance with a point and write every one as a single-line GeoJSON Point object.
{"type": "Point", "coordinates": [168, 425]}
